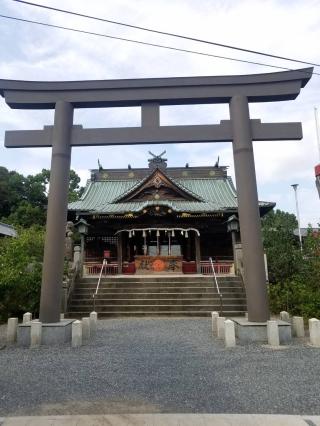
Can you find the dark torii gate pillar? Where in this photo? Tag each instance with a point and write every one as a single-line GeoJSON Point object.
{"type": "Point", "coordinates": [53, 260]}
{"type": "Point", "coordinates": [248, 209]}
{"type": "Point", "coordinates": [150, 94]}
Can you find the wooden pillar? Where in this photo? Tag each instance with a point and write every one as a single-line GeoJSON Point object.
{"type": "Point", "coordinates": [119, 252]}
{"type": "Point", "coordinates": [198, 253]}
{"type": "Point", "coordinates": [189, 247]}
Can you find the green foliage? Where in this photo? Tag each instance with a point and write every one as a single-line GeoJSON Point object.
{"type": "Point", "coordinates": [26, 215]}
{"type": "Point", "coordinates": [283, 252]}
{"type": "Point", "coordinates": [294, 276]}
{"type": "Point", "coordinates": [20, 272]}
{"type": "Point", "coordinates": [23, 200]}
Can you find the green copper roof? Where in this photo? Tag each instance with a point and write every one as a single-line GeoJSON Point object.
{"type": "Point", "coordinates": [217, 193]}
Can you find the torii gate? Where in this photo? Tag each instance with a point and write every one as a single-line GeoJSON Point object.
{"type": "Point", "coordinates": [150, 94]}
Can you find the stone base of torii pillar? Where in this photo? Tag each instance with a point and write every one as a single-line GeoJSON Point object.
{"type": "Point", "coordinates": [55, 333]}
{"type": "Point", "coordinates": [250, 332]}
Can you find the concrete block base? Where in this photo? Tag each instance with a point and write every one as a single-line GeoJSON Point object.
{"type": "Point", "coordinates": [249, 332]}
{"type": "Point", "coordinates": [52, 333]}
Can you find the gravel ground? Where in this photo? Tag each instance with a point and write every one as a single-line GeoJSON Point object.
{"type": "Point", "coordinates": [159, 365]}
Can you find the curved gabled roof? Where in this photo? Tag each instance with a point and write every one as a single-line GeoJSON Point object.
{"type": "Point", "coordinates": [195, 189]}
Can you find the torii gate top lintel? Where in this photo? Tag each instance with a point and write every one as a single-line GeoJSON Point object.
{"type": "Point", "coordinates": [266, 87]}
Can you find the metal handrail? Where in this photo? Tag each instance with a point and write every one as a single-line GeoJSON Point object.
{"type": "Point", "coordinates": [217, 286]}
{"type": "Point", "coordinates": [104, 263]}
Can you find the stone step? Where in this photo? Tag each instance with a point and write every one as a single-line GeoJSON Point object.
{"type": "Point", "coordinates": [156, 287]}
{"type": "Point", "coordinates": [123, 313]}
{"type": "Point", "coordinates": [158, 296]}
{"type": "Point", "coordinates": [155, 308]}
{"type": "Point", "coordinates": [162, 281]}
{"type": "Point", "coordinates": [142, 290]}
{"type": "Point", "coordinates": [186, 302]}
{"type": "Point", "coordinates": [153, 295]}
{"type": "Point", "coordinates": [184, 278]}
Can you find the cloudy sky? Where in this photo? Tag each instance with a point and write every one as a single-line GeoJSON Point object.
{"type": "Point", "coordinates": [285, 28]}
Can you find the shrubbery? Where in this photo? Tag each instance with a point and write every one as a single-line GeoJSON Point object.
{"type": "Point", "coordinates": [294, 275]}
{"type": "Point", "coordinates": [20, 272]}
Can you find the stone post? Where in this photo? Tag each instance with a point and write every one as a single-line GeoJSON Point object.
{"type": "Point", "coordinates": [76, 254]}
{"type": "Point", "coordinates": [239, 259]}
{"type": "Point", "coordinates": [298, 326]}
{"type": "Point", "coordinates": [214, 323]}
{"type": "Point", "coordinates": [273, 333]}
{"type": "Point", "coordinates": [53, 262]}
{"type": "Point", "coordinates": [220, 326]}
{"type": "Point", "coordinates": [93, 322]}
{"type": "Point", "coordinates": [76, 334]}
{"type": "Point", "coordinates": [314, 329]}
{"type": "Point", "coordinates": [27, 317]}
{"type": "Point", "coordinates": [35, 334]}
{"type": "Point", "coordinates": [248, 208]}
{"type": "Point", "coordinates": [86, 328]}
{"type": "Point", "coordinates": [12, 328]}
{"type": "Point", "coordinates": [229, 334]}
{"type": "Point", "coordinates": [284, 316]}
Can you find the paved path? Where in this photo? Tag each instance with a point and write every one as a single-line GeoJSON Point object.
{"type": "Point", "coordinates": [164, 420]}
{"type": "Point", "coordinates": [144, 366]}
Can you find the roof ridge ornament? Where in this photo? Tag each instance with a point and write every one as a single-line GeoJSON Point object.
{"type": "Point", "coordinates": [157, 161]}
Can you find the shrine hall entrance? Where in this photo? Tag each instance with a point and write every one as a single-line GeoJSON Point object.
{"type": "Point", "coordinates": [159, 250]}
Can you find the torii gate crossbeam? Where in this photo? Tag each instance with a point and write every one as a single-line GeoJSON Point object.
{"type": "Point", "coordinates": [150, 94]}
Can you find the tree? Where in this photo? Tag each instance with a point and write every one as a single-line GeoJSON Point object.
{"type": "Point", "coordinates": [294, 276]}
{"type": "Point", "coordinates": [20, 272]}
{"type": "Point", "coordinates": [23, 200]}
{"type": "Point", "coordinates": [280, 244]}
{"type": "Point", "coordinates": [11, 191]}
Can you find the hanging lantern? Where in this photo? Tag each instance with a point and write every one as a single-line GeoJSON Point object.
{"type": "Point", "coordinates": [173, 233]}
{"type": "Point", "coordinates": [130, 234]}
{"type": "Point", "coordinates": [186, 234]}
{"type": "Point", "coordinates": [133, 233]}
{"type": "Point", "coordinates": [149, 231]}
{"type": "Point", "coordinates": [144, 233]}
{"type": "Point", "coordinates": [158, 233]}
{"type": "Point", "coordinates": [181, 232]}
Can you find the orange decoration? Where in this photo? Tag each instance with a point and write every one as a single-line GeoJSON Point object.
{"type": "Point", "coordinates": [158, 265]}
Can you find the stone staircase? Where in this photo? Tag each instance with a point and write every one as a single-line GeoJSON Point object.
{"type": "Point", "coordinates": [124, 296]}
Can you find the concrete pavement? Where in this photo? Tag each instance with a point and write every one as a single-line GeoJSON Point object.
{"type": "Point", "coordinates": [165, 420]}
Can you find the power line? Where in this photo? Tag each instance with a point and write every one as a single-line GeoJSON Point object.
{"type": "Point", "coordinates": [256, 52]}
{"type": "Point", "coordinates": [150, 44]}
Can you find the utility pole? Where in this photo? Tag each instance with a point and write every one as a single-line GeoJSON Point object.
{"type": "Point", "coordinates": [295, 188]}
{"type": "Point", "coordinates": [317, 168]}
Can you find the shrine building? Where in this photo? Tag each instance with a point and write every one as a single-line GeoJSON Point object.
{"type": "Point", "coordinates": [160, 220]}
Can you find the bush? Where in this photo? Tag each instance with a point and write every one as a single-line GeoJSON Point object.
{"type": "Point", "coordinates": [20, 272]}
{"type": "Point", "coordinates": [299, 293]}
